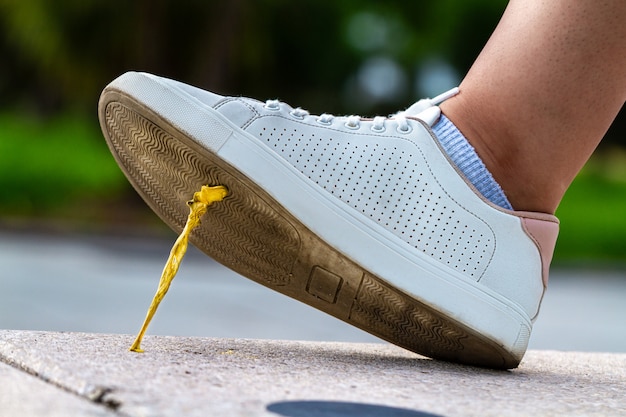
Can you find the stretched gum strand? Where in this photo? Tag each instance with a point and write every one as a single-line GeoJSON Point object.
{"type": "Point", "coordinates": [197, 207]}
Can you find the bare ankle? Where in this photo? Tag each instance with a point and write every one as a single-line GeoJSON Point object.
{"type": "Point", "coordinates": [512, 165]}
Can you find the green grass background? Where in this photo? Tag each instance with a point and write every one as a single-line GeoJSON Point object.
{"type": "Point", "coordinates": [61, 169]}
{"type": "Point", "coordinates": [46, 165]}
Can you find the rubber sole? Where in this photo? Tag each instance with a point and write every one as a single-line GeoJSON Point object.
{"type": "Point", "coordinates": [252, 234]}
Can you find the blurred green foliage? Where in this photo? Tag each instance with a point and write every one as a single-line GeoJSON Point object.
{"type": "Point", "coordinates": [309, 52]}
{"type": "Point", "coordinates": [47, 164]}
{"type": "Point", "coordinates": [592, 213]}
{"type": "Point", "coordinates": [324, 55]}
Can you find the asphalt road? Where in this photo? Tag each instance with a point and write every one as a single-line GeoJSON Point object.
{"type": "Point", "coordinates": [97, 284]}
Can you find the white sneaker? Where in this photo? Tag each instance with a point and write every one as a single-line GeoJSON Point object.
{"type": "Point", "coordinates": [365, 219]}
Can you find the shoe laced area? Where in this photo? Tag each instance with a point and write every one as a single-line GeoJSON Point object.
{"type": "Point", "coordinates": [378, 124]}
{"type": "Point", "coordinates": [389, 181]}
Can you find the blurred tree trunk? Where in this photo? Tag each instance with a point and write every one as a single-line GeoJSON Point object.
{"type": "Point", "coordinates": [215, 53]}
{"type": "Point", "coordinates": [150, 50]}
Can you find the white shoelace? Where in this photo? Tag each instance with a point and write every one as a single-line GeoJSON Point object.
{"type": "Point", "coordinates": [378, 123]}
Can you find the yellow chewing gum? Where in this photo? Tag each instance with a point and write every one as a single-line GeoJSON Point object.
{"type": "Point", "coordinates": [198, 206]}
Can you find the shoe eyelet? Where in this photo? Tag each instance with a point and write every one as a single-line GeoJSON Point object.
{"type": "Point", "coordinates": [406, 131]}
{"type": "Point", "coordinates": [272, 106]}
{"type": "Point", "coordinates": [352, 126]}
{"type": "Point", "coordinates": [379, 129]}
{"type": "Point", "coordinates": [324, 122]}
{"type": "Point", "coordinates": [297, 116]}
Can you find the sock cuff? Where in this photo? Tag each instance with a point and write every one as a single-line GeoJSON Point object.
{"type": "Point", "coordinates": [463, 154]}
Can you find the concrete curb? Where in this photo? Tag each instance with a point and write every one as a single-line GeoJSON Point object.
{"type": "Point", "coordinates": [95, 374]}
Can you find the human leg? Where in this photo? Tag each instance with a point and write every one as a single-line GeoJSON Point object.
{"type": "Point", "coordinates": [542, 94]}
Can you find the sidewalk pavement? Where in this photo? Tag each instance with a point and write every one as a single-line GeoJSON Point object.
{"type": "Point", "coordinates": [82, 374]}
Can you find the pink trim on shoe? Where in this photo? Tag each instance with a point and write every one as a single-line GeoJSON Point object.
{"type": "Point", "coordinates": [544, 234]}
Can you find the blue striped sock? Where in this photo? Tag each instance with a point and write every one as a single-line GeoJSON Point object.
{"type": "Point", "coordinates": [467, 160]}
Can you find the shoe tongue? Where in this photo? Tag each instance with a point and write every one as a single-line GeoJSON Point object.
{"type": "Point", "coordinates": [418, 107]}
{"type": "Point", "coordinates": [427, 110]}
{"type": "Point", "coordinates": [429, 115]}
{"type": "Point", "coordinates": [424, 110]}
